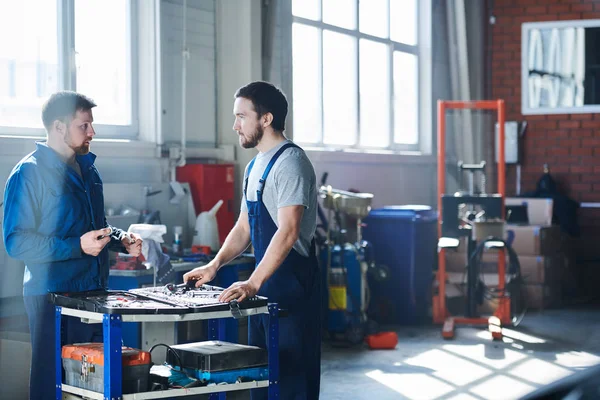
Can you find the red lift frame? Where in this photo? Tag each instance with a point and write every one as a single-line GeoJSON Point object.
{"type": "Point", "coordinates": [440, 311]}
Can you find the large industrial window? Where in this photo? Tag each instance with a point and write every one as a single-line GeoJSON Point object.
{"type": "Point", "coordinates": [355, 73]}
{"type": "Point", "coordinates": [82, 45]}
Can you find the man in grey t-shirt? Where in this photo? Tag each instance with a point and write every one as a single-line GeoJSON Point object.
{"type": "Point", "coordinates": [278, 216]}
{"type": "Point", "coordinates": [292, 182]}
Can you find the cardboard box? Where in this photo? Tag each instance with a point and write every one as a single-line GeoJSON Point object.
{"type": "Point", "coordinates": [539, 211]}
{"type": "Point", "coordinates": [534, 240]}
{"type": "Point", "coordinates": [542, 270]}
{"type": "Point", "coordinates": [534, 269]}
{"type": "Point", "coordinates": [541, 296]}
{"type": "Point", "coordinates": [528, 240]}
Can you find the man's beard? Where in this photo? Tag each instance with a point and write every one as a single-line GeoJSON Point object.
{"type": "Point", "coordinates": [79, 150]}
{"type": "Point", "coordinates": [254, 138]}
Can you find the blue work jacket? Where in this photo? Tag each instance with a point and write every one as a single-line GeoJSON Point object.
{"type": "Point", "coordinates": [47, 208]}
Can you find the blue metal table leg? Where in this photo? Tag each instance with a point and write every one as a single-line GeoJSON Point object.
{"type": "Point", "coordinates": [58, 352]}
{"type": "Point", "coordinates": [113, 388]}
{"type": "Point", "coordinates": [216, 331]}
{"type": "Point", "coordinates": [273, 351]}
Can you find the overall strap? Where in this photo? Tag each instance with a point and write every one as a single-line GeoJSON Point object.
{"type": "Point", "coordinates": [261, 182]}
{"type": "Point", "coordinates": [248, 174]}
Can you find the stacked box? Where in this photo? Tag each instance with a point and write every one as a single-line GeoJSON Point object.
{"type": "Point", "coordinates": [543, 257]}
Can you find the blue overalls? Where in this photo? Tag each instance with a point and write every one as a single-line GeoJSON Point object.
{"type": "Point", "coordinates": [295, 287]}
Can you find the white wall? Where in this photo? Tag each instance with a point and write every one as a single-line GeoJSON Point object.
{"type": "Point", "coordinates": [201, 87]}
{"type": "Point", "coordinates": [225, 40]}
{"type": "Point", "coordinates": [238, 63]}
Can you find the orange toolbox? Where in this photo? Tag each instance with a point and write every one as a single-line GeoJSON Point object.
{"type": "Point", "coordinates": [84, 367]}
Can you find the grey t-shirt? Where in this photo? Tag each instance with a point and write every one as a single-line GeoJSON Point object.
{"type": "Point", "coordinates": [291, 182]}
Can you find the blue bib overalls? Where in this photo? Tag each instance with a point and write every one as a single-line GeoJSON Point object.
{"type": "Point", "coordinates": [295, 287]}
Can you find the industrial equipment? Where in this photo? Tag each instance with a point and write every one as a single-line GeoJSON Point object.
{"type": "Point", "coordinates": [346, 266]}
{"type": "Point", "coordinates": [478, 217]}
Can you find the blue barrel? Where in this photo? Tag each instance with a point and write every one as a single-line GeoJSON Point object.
{"type": "Point", "coordinates": [404, 240]}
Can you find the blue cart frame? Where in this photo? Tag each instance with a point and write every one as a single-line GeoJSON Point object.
{"type": "Point", "coordinates": [112, 329]}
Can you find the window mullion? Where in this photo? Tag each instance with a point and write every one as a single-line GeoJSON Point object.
{"type": "Point", "coordinates": [320, 83]}
{"type": "Point", "coordinates": [392, 95]}
{"type": "Point", "coordinates": [66, 44]}
{"type": "Point", "coordinates": [357, 61]}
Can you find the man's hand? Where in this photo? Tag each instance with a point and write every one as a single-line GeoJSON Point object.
{"type": "Point", "coordinates": [202, 274]}
{"type": "Point", "coordinates": [133, 246]}
{"type": "Point", "coordinates": [239, 291]}
{"type": "Point", "coordinates": [93, 242]}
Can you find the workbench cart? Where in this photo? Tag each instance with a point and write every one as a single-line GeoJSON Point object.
{"type": "Point", "coordinates": [112, 329]}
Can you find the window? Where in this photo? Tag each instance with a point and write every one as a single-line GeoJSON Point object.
{"type": "Point", "coordinates": [82, 45]}
{"type": "Point", "coordinates": [355, 73]}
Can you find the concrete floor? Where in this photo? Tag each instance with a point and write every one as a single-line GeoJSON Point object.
{"type": "Point", "coordinates": [545, 347]}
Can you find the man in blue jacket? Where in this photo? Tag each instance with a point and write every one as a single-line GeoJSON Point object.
{"type": "Point", "coordinates": [54, 221]}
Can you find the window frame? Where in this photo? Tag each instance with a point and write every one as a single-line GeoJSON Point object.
{"type": "Point", "coordinates": [422, 50]}
{"type": "Point", "coordinates": [67, 76]}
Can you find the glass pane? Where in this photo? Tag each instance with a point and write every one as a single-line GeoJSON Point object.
{"type": "Point", "coordinates": [306, 9]}
{"type": "Point", "coordinates": [340, 13]}
{"type": "Point", "coordinates": [403, 21]}
{"type": "Point", "coordinates": [373, 17]}
{"type": "Point", "coordinates": [28, 60]}
{"type": "Point", "coordinates": [374, 94]}
{"type": "Point", "coordinates": [406, 98]}
{"type": "Point", "coordinates": [339, 88]}
{"type": "Point", "coordinates": [307, 91]}
{"type": "Point", "coordinates": [103, 58]}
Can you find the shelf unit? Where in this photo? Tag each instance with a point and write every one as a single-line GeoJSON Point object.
{"type": "Point", "coordinates": [112, 330]}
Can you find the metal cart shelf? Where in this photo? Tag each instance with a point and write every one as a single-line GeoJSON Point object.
{"type": "Point", "coordinates": [112, 352]}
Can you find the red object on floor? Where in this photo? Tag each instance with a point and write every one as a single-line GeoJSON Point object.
{"type": "Point", "coordinates": [210, 183]}
{"type": "Point", "coordinates": [383, 340]}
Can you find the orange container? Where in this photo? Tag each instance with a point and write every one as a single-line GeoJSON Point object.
{"type": "Point", "coordinates": [94, 353]}
{"type": "Point", "coordinates": [84, 367]}
{"type": "Point", "coordinates": [383, 340]}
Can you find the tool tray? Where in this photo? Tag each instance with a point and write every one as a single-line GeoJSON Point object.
{"type": "Point", "coordinates": [202, 299]}
{"type": "Point", "coordinates": [116, 302]}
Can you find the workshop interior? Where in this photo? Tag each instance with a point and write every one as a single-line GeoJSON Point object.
{"type": "Point", "coordinates": [455, 145]}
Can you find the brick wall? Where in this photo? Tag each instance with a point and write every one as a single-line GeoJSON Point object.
{"type": "Point", "coordinates": [569, 144]}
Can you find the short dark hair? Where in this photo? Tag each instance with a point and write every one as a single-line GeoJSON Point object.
{"type": "Point", "coordinates": [63, 105]}
{"type": "Point", "coordinates": [266, 98]}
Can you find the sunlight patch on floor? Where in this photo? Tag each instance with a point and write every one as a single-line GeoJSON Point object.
{"type": "Point", "coordinates": [502, 388]}
{"type": "Point", "coordinates": [413, 386]}
{"type": "Point", "coordinates": [450, 367]}
{"type": "Point", "coordinates": [540, 371]}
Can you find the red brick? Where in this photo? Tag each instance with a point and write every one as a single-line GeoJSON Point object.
{"type": "Point", "coordinates": [579, 169]}
{"type": "Point", "coordinates": [569, 142]}
{"type": "Point", "coordinates": [558, 151]}
{"type": "Point", "coordinates": [568, 16]}
{"type": "Point", "coordinates": [591, 124]}
{"type": "Point", "coordinates": [536, 10]}
{"type": "Point", "coordinates": [582, 187]}
{"type": "Point", "coordinates": [558, 8]}
{"type": "Point", "coordinates": [569, 124]}
{"type": "Point", "coordinates": [582, 116]}
{"type": "Point", "coordinates": [583, 7]}
{"type": "Point", "coordinates": [544, 125]}
{"type": "Point", "coordinates": [590, 142]}
{"type": "Point", "coordinates": [581, 151]}
{"type": "Point", "coordinates": [590, 178]}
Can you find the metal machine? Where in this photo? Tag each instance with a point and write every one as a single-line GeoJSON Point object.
{"type": "Point", "coordinates": [345, 274]}
{"type": "Point", "coordinates": [477, 217]}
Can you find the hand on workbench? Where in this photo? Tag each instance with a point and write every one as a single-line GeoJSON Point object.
{"type": "Point", "coordinates": [202, 274]}
{"type": "Point", "coordinates": [133, 244]}
{"type": "Point", "coordinates": [239, 291]}
{"type": "Point", "coordinates": [93, 242]}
